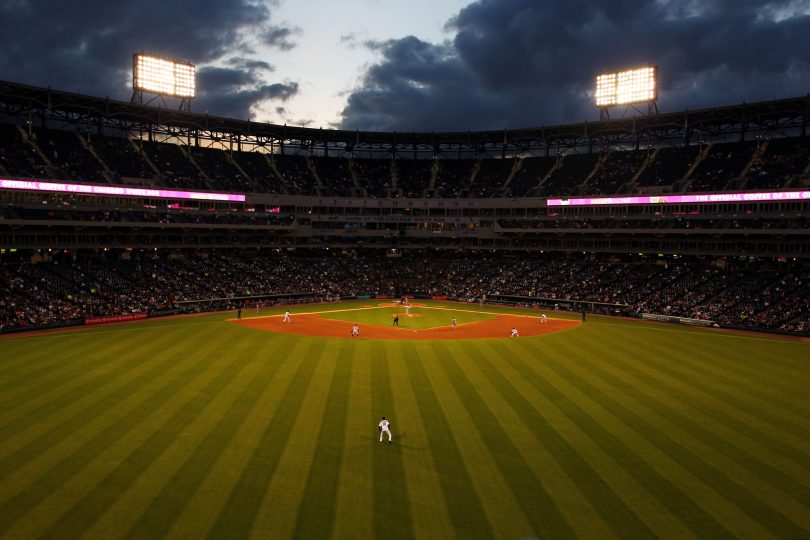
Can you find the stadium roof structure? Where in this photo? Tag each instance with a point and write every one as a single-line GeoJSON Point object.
{"type": "Point", "coordinates": [56, 109]}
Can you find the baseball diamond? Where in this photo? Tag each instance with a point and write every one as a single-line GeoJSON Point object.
{"type": "Point", "coordinates": [205, 426]}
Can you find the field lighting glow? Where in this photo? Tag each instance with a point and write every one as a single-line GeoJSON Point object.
{"type": "Point", "coordinates": [118, 191]}
{"type": "Point", "coordinates": [625, 87]}
{"type": "Point", "coordinates": [756, 196]}
{"type": "Point", "coordinates": [163, 76]}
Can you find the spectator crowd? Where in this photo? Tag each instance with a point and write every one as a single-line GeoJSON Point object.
{"type": "Point", "coordinates": [753, 294]}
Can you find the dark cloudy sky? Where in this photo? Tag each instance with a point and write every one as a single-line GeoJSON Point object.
{"type": "Point", "coordinates": [415, 66]}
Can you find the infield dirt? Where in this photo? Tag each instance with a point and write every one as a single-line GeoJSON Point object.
{"type": "Point", "coordinates": [312, 324]}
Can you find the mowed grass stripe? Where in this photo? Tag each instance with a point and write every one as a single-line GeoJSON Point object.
{"type": "Point", "coordinates": [705, 485]}
{"type": "Point", "coordinates": [776, 412]}
{"type": "Point", "coordinates": [355, 491]}
{"type": "Point", "coordinates": [429, 511]}
{"type": "Point", "coordinates": [736, 350]}
{"type": "Point", "coordinates": [236, 518]}
{"type": "Point", "coordinates": [213, 436]}
{"type": "Point", "coordinates": [73, 465]}
{"type": "Point", "coordinates": [277, 514]}
{"type": "Point", "coordinates": [508, 445]}
{"type": "Point", "coordinates": [787, 447]}
{"type": "Point", "coordinates": [52, 412]}
{"type": "Point", "coordinates": [752, 490]}
{"type": "Point", "coordinates": [677, 333]}
{"type": "Point", "coordinates": [549, 424]}
{"type": "Point", "coordinates": [767, 378]}
{"type": "Point", "coordinates": [503, 510]}
{"type": "Point", "coordinates": [465, 506]}
{"type": "Point", "coordinates": [596, 512]}
{"type": "Point", "coordinates": [112, 471]}
{"type": "Point", "coordinates": [392, 506]}
{"type": "Point", "coordinates": [693, 369]}
{"type": "Point", "coordinates": [194, 423]}
{"type": "Point", "coordinates": [73, 354]}
{"type": "Point", "coordinates": [22, 363]}
{"type": "Point", "coordinates": [652, 469]}
{"type": "Point", "coordinates": [204, 506]}
{"type": "Point", "coordinates": [73, 378]}
{"type": "Point", "coordinates": [746, 443]}
{"type": "Point", "coordinates": [316, 514]}
{"type": "Point", "coordinates": [49, 442]}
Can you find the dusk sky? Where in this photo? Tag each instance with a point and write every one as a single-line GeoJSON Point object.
{"type": "Point", "coordinates": [420, 65]}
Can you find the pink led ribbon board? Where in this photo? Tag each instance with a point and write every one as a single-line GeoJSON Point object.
{"type": "Point", "coordinates": [87, 189]}
{"type": "Point", "coordinates": [773, 196]}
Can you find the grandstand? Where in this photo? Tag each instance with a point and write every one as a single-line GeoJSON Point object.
{"type": "Point", "coordinates": [473, 207]}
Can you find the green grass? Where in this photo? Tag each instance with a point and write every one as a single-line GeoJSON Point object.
{"type": "Point", "coordinates": [422, 317]}
{"type": "Point", "coordinates": [199, 428]}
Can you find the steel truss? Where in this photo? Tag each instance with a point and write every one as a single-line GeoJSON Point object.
{"type": "Point", "coordinates": [47, 108]}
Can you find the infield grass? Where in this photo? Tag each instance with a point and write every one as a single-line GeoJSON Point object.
{"type": "Point", "coordinates": [198, 428]}
{"type": "Point", "coordinates": [420, 317]}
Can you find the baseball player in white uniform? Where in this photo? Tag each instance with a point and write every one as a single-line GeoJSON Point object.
{"type": "Point", "coordinates": [287, 317]}
{"type": "Point", "coordinates": [385, 427]}
{"type": "Point", "coordinates": [543, 318]}
{"type": "Point", "coordinates": [515, 333]}
{"type": "Point", "coordinates": [355, 331]}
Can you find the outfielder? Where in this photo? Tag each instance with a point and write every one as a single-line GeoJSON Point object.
{"type": "Point", "coordinates": [385, 427]}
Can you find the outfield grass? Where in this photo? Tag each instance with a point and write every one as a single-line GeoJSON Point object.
{"type": "Point", "coordinates": [199, 428]}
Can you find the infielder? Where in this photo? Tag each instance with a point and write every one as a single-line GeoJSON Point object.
{"type": "Point", "coordinates": [355, 331]}
{"type": "Point", "coordinates": [287, 318]}
{"type": "Point", "coordinates": [453, 322]}
{"type": "Point", "coordinates": [385, 427]}
{"type": "Point", "coordinates": [543, 318]}
{"type": "Point", "coordinates": [514, 333]}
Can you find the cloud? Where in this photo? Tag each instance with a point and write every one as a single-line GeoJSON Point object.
{"type": "Point", "coordinates": [236, 92]}
{"type": "Point", "coordinates": [350, 40]}
{"type": "Point", "coordinates": [280, 37]}
{"type": "Point", "coordinates": [244, 103]}
{"type": "Point", "coordinates": [249, 64]}
{"type": "Point", "coordinates": [523, 63]}
{"type": "Point", "coordinates": [86, 46]}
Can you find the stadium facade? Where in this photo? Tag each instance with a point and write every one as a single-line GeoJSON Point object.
{"type": "Point", "coordinates": [84, 176]}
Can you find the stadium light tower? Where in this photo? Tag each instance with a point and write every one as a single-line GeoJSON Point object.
{"type": "Point", "coordinates": [163, 77]}
{"type": "Point", "coordinates": [627, 88]}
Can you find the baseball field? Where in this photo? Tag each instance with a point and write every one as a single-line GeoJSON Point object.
{"type": "Point", "coordinates": [209, 427]}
